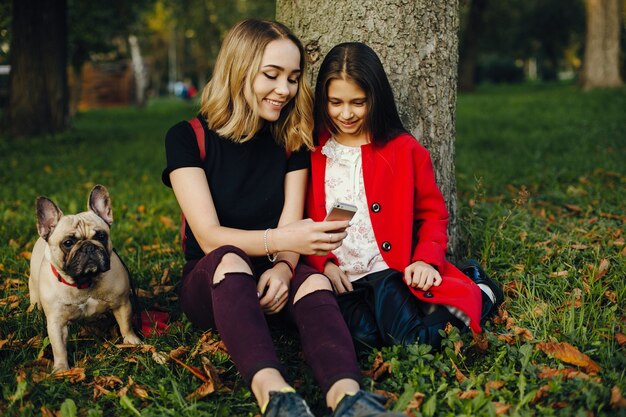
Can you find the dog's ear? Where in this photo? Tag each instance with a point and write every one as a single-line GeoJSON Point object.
{"type": "Point", "coordinates": [100, 203]}
{"type": "Point", "coordinates": [48, 216]}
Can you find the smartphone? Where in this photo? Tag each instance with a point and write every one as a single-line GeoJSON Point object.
{"type": "Point", "coordinates": [341, 211]}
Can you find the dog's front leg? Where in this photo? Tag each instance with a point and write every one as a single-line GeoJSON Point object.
{"type": "Point", "coordinates": [57, 333]}
{"type": "Point", "coordinates": [123, 317]}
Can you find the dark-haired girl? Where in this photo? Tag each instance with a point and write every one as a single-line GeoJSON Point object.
{"type": "Point", "coordinates": [390, 275]}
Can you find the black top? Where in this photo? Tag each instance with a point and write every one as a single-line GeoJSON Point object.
{"type": "Point", "coordinates": [246, 179]}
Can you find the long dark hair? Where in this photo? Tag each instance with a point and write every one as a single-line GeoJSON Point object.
{"type": "Point", "coordinates": [357, 62]}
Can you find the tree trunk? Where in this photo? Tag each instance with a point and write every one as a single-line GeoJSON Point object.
{"type": "Point", "coordinates": [471, 42]}
{"type": "Point", "coordinates": [602, 45]}
{"type": "Point", "coordinates": [38, 96]}
{"type": "Point", "coordinates": [140, 75]}
{"type": "Point", "coordinates": [418, 44]}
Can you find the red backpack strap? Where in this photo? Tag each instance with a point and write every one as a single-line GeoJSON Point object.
{"type": "Point", "coordinates": [198, 132]}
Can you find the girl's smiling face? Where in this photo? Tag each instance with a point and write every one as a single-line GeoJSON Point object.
{"type": "Point", "coordinates": [347, 109]}
{"type": "Point", "coordinates": [278, 78]}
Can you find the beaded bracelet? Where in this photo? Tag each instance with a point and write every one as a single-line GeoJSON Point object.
{"type": "Point", "coordinates": [271, 257]}
{"type": "Point", "coordinates": [289, 264]}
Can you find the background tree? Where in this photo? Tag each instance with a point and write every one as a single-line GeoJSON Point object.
{"type": "Point", "coordinates": [470, 43]}
{"type": "Point", "coordinates": [418, 44]}
{"type": "Point", "coordinates": [602, 46]}
{"type": "Point", "coordinates": [504, 41]}
{"type": "Point", "coordinates": [38, 97]}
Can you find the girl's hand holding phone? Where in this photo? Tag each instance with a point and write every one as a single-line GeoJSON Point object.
{"type": "Point", "coordinates": [308, 237]}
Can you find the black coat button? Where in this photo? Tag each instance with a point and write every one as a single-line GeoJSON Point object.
{"type": "Point", "coordinates": [386, 246]}
{"type": "Point", "coordinates": [428, 294]}
{"type": "Point", "coordinates": [375, 207]}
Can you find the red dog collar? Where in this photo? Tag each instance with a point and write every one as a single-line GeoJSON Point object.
{"type": "Point", "coordinates": [71, 284]}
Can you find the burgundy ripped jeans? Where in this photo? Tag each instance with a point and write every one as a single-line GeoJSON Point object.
{"type": "Point", "coordinates": [232, 308]}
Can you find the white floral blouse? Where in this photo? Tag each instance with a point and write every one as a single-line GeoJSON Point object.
{"type": "Point", "coordinates": [359, 254]}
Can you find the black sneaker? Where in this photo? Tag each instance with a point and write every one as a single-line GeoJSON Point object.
{"type": "Point", "coordinates": [479, 276]}
{"type": "Point", "coordinates": [286, 404]}
{"type": "Point", "coordinates": [363, 404]}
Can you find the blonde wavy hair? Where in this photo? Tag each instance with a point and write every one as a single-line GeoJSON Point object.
{"type": "Point", "coordinates": [223, 103]}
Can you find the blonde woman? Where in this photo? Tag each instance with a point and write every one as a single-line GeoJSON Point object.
{"type": "Point", "coordinates": [243, 203]}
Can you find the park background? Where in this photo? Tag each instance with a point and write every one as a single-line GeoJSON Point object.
{"type": "Point", "coordinates": [537, 177]}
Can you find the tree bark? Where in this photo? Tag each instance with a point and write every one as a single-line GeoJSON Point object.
{"type": "Point", "coordinates": [418, 44]}
{"type": "Point", "coordinates": [38, 94]}
{"type": "Point", "coordinates": [602, 44]}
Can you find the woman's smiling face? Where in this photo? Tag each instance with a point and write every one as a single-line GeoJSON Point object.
{"type": "Point", "coordinates": [277, 80]}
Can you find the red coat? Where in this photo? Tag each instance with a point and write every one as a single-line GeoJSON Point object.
{"type": "Point", "coordinates": [408, 215]}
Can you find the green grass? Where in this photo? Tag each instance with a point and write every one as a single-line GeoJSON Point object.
{"type": "Point", "coordinates": [541, 195]}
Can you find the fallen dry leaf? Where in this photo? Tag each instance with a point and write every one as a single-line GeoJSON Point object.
{"type": "Point", "coordinates": [568, 373]}
{"type": "Point", "coordinates": [160, 357]}
{"type": "Point", "coordinates": [501, 317]}
{"type": "Point", "coordinates": [523, 333]}
{"type": "Point", "coordinates": [602, 269]}
{"type": "Point", "coordinates": [469, 394]}
{"type": "Point", "coordinates": [620, 339]}
{"type": "Point", "coordinates": [513, 288]}
{"type": "Point", "coordinates": [180, 352]}
{"type": "Point", "coordinates": [457, 347]}
{"type": "Point", "coordinates": [211, 372]}
{"type": "Point", "coordinates": [202, 391]}
{"type": "Point", "coordinates": [558, 274]}
{"type": "Point", "coordinates": [617, 401]}
{"type": "Point", "coordinates": [25, 254]}
{"type": "Point", "coordinates": [501, 408]}
{"type": "Point", "coordinates": [459, 375]}
{"type": "Point", "coordinates": [579, 246]}
{"type": "Point", "coordinates": [193, 370]}
{"type": "Point", "coordinates": [167, 222]}
{"type": "Point", "coordinates": [388, 395]}
{"type": "Point", "coordinates": [379, 368]}
{"type": "Point", "coordinates": [569, 354]}
{"type": "Point", "coordinates": [210, 383]}
{"type": "Point", "coordinates": [207, 343]}
{"type": "Point", "coordinates": [480, 341]}
{"type": "Point", "coordinates": [574, 208]}
{"type": "Point", "coordinates": [140, 391]}
{"type": "Point", "coordinates": [46, 412]}
{"type": "Point", "coordinates": [541, 392]}
{"type": "Point", "coordinates": [540, 309]}
{"type": "Point", "coordinates": [493, 385]}
{"type": "Point", "coordinates": [611, 295]}
{"type": "Point", "coordinates": [74, 375]}
{"type": "Point", "coordinates": [104, 384]}
{"type": "Point", "coordinates": [415, 403]}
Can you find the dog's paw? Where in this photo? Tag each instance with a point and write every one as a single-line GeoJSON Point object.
{"type": "Point", "coordinates": [132, 339]}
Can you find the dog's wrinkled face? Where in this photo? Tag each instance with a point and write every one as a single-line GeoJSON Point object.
{"type": "Point", "coordinates": [80, 246]}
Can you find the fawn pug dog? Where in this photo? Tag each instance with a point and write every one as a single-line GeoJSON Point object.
{"type": "Point", "coordinates": [74, 273]}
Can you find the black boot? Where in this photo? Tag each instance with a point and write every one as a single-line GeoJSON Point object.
{"type": "Point", "coordinates": [479, 276]}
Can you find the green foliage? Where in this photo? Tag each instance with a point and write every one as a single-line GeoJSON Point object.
{"type": "Point", "coordinates": [541, 198]}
